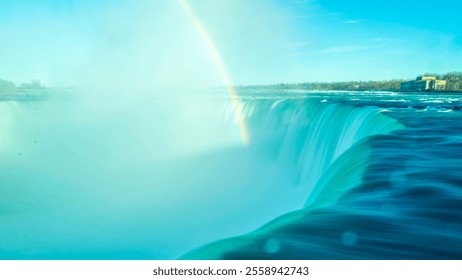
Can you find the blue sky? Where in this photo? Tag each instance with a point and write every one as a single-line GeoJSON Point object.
{"type": "Point", "coordinates": [152, 43]}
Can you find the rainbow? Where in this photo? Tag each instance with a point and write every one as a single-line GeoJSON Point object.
{"type": "Point", "coordinates": [218, 61]}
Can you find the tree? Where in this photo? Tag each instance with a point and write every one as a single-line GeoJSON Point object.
{"type": "Point", "coordinates": [33, 85]}
{"type": "Point", "coordinates": [453, 76]}
{"type": "Point", "coordinates": [7, 88]}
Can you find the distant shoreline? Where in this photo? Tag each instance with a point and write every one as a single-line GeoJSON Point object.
{"type": "Point", "coordinates": [278, 87]}
{"type": "Point", "coordinates": [436, 92]}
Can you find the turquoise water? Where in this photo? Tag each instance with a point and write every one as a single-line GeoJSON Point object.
{"type": "Point", "coordinates": [327, 175]}
{"type": "Point", "coordinates": [392, 195]}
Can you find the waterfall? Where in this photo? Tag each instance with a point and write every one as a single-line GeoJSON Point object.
{"type": "Point", "coordinates": [312, 135]}
{"type": "Point", "coordinates": [387, 186]}
{"type": "Point", "coordinates": [321, 178]}
{"type": "Point", "coordinates": [327, 144]}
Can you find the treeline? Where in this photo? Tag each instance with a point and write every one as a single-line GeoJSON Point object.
{"type": "Point", "coordinates": [389, 85]}
{"type": "Point", "coordinates": [9, 89]}
{"type": "Point", "coordinates": [349, 86]}
{"type": "Point", "coordinates": [453, 83]}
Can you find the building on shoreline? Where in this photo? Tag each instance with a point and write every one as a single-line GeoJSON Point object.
{"type": "Point", "coordinates": [424, 83]}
